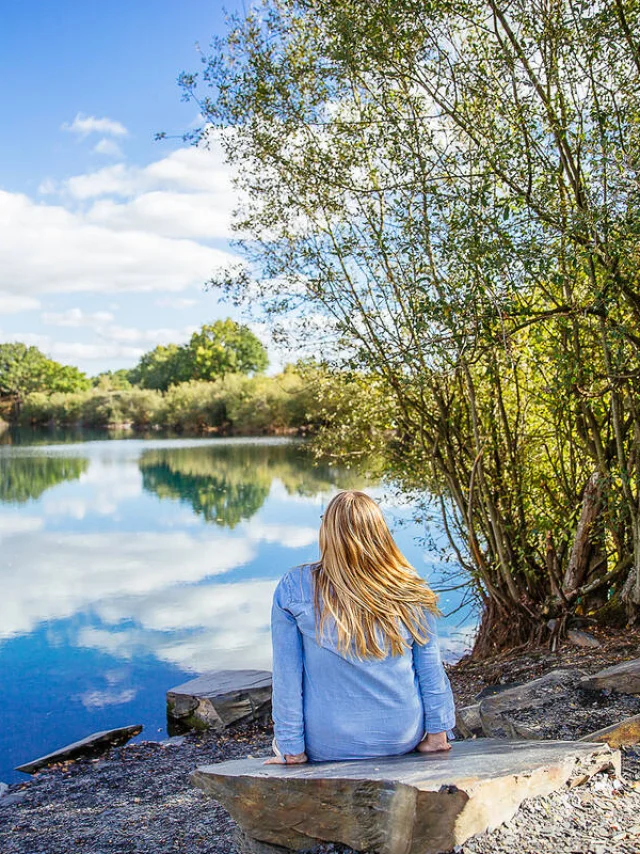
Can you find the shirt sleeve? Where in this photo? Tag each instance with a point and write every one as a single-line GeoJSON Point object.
{"type": "Point", "coordinates": [288, 719]}
{"type": "Point", "coordinates": [435, 690]}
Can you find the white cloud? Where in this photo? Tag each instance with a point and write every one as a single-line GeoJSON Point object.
{"type": "Point", "coordinates": [108, 147]}
{"type": "Point", "coordinates": [76, 317]}
{"type": "Point", "coordinates": [120, 229]}
{"type": "Point", "coordinates": [174, 214]}
{"type": "Point", "coordinates": [186, 170]}
{"type": "Point", "coordinates": [189, 193]}
{"type": "Point", "coordinates": [196, 628]}
{"type": "Point", "coordinates": [85, 125]}
{"type": "Point", "coordinates": [76, 352]}
{"type": "Point", "coordinates": [148, 336]}
{"type": "Point", "coordinates": [10, 303]}
{"type": "Point", "coordinates": [62, 573]}
{"type": "Point", "coordinates": [119, 341]}
{"type": "Point", "coordinates": [175, 302]}
{"type": "Point", "coordinates": [74, 254]}
{"type": "Point", "coordinates": [15, 524]}
{"type": "Point", "coordinates": [289, 536]}
{"type": "Point", "coordinates": [100, 699]}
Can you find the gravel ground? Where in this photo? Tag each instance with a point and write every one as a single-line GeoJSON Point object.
{"type": "Point", "coordinates": [138, 798]}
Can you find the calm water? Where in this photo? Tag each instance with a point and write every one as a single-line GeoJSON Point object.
{"type": "Point", "coordinates": [129, 566]}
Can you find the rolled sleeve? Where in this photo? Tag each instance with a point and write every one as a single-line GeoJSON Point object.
{"type": "Point", "coordinates": [435, 689]}
{"type": "Point", "coordinates": [288, 716]}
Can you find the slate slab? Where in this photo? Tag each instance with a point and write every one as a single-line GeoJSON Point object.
{"type": "Point", "coordinates": [220, 699]}
{"type": "Point", "coordinates": [468, 721]}
{"type": "Point", "coordinates": [494, 710]}
{"type": "Point", "coordinates": [623, 678]}
{"type": "Point", "coordinates": [623, 734]}
{"type": "Point", "coordinates": [92, 745]}
{"type": "Point", "coordinates": [412, 804]}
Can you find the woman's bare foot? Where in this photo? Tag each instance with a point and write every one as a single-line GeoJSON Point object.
{"type": "Point", "coordinates": [434, 742]}
{"type": "Point", "coordinates": [295, 759]}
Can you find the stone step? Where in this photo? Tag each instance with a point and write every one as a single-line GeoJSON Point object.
{"type": "Point", "coordinates": [220, 699]}
{"type": "Point", "coordinates": [412, 804]}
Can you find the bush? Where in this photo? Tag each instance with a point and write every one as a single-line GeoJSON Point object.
{"type": "Point", "coordinates": [194, 406]}
{"type": "Point", "coordinates": [235, 403]}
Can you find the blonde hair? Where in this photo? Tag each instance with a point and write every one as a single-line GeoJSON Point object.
{"type": "Point", "coordinates": [365, 583]}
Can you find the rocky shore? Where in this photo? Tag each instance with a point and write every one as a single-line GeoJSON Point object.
{"type": "Point", "coordinates": [138, 798]}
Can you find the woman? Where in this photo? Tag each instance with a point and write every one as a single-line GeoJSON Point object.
{"type": "Point", "coordinates": [356, 668]}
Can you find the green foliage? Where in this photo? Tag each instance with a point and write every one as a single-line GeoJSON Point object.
{"type": "Point", "coordinates": [24, 478]}
{"type": "Point", "coordinates": [25, 369]}
{"type": "Point", "coordinates": [447, 209]}
{"type": "Point", "coordinates": [194, 406]}
{"type": "Point", "coordinates": [113, 380]}
{"type": "Point", "coordinates": [229, 483]}
{"type": "Point", "coordinates": [235, 403]}
{"type": "Point", "coordinates": [162, 367]}
{"type": "Point", "coordinates": [221, 348]}
{"type": "Point", "coordinates": [226, 347]}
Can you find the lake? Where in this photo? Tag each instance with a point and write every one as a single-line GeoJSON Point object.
{"type": "Point", "coordinates": [128, 566]}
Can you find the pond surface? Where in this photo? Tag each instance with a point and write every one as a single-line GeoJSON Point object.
{"type": "Point", "coordinates": [129, 566]}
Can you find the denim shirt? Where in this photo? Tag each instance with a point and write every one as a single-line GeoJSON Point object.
{"type": "Point", "coordinates": [334, 706]}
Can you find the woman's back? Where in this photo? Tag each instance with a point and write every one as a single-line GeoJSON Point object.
{"type": "Point", "coordinates": [333, 704]}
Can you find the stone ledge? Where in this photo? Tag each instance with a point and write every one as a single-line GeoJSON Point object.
{"type": "Point", "coordinates": [413, 804]}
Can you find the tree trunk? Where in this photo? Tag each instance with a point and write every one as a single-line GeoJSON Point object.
{"type": "Point", "coordinates": [587, 555]}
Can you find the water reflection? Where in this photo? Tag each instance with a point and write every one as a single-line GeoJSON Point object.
{"type": "Point", "coordinates": [228, 484]}
{"type": "Point", "coordinates": [27, 478]}
{"type": "Point", "coordinates": [128, 566]}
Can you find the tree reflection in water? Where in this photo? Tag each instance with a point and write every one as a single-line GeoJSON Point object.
{"type": "Point", "coordinates": [25, 478]}
{"type": "Point", "coordinates": [227, 484]}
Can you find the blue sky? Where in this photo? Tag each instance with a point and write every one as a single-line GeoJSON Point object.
{"type": "Point", "coordinates": [106, 236]}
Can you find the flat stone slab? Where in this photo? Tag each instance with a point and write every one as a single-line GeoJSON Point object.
{"type": "Point", "coordinates": [623, 734]}
{"type": "Point", "coordinates": [494, 709]}
{"type": "Point", "coordinates": [412, 804]}
{"type": "Point", "coordinates": [220, 699]}
{"type": "Point", "coordinates": [92, 745]}
{"type": "Point", "coordinates": [623, 678]}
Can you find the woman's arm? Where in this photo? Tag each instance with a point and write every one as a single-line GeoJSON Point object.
{"type": "Point", "coordinates": [288, 719]}
{"type": "Point", "coordinates": [435, 690]}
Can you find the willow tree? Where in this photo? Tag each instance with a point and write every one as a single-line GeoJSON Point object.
{"type": "Point", "coordinates": [442, 197]}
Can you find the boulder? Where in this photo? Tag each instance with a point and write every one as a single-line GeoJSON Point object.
{"type": "Point", "coordinates": [220, 699]}
{"type": "Point", "coordinates": [583, 639]}
{"type": "Point", "coordinates": [495, 709]}
{"type": "Point", "coordinates": [623, 678]}
{"type": "Point", "coordinates": [622, 734]}
{"type": "Point", "coordinates": [4, 788]}
{"type": "Point", "coordinates": [412, 804]}
{"type": "Point", "coordinates": [468, 721]}
{"type": "Point", "coordinates": [92, 745]}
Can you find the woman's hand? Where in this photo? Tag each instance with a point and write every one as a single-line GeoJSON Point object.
{"type": "Point", "coordinates": [288, 759]}
{"type": "Point", "coordinates": [434, 742]}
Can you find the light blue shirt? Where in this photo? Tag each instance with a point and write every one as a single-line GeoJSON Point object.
{"type": "Point", "coordinates": [333, 706]}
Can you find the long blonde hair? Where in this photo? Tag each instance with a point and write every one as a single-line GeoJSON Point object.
{"type": "Point", "coordinates": [365, 583]}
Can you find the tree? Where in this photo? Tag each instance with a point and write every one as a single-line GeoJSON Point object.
{"type": "Point", "coordinates": [452, 188]}
{"type": "Point", "coordinates": [226, 347]}
{"type": "Point", "coordinates": [113, 380]}
{"type": "Point", "coordinates": [162, 367]}
{"type": "Point", "coordinates": [223, 347]}
{"type": "Point", "coordinates": [26, 369]}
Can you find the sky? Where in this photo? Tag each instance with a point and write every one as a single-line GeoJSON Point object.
{"type": "Point", "coordinates": [106, 235]}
